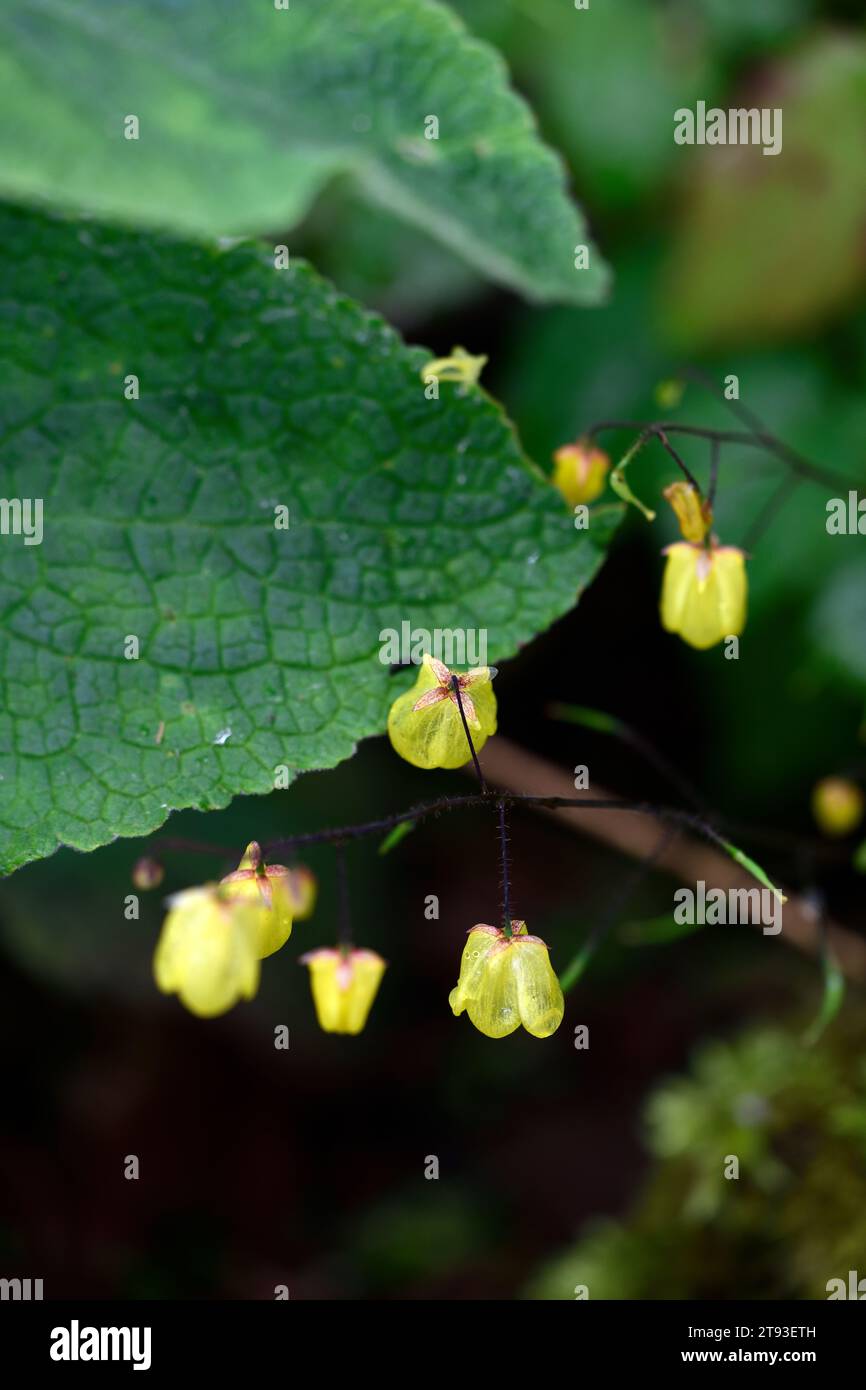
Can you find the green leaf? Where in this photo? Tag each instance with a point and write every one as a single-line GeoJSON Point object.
{"type": "Point", "coordinates": [245, 112]}
{"type": "Point", "coordinates": [587, 718]}
{"type": "Point", "coordinates": [657, 931]}
{"type": "Point", "coordinates": [831, 999]}
{"type": "Point", "coordinates": [396, 836]}
{"type": "Point", "coordinates": [259, 389]}
{"type": "Point", "coordinates": [606, 81]}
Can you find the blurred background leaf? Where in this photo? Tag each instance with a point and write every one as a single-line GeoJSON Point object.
{"type": "Point", "coordinates": [245, 112]}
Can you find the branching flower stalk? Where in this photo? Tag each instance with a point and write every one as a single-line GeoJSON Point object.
{"type": "Point", "coordinates": [425, 809]}
{"type": "Point", "coordinates": [506, 979]}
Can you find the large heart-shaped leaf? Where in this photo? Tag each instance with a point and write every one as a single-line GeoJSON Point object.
{"type": "Point", "coordinates": [258, 389]}
{"type": "Point", "coordinates": [244, 111]}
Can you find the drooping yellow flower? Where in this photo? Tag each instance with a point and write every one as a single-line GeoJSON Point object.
{"type": "Point", "coordinates": [507, 981]}
{"type": "Point", "coordinates": [704, 593]}
{"type": "Point", "coordinates": [424, 725]}
{"type": "Point", "coordinates": [269, 888]}
{"type": "Point", "coordinates": [837, 805]}
{"type": "Point", "coordinates": [208, 950]}
{"type": "Point", "coordinates": [693, 512]}
{"type": "Point", "coordinates": [344, 985]}
{"type": "Point", "coordinates": [579, 471]}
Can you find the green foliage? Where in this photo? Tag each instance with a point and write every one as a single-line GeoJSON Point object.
{"type": "Point", "coordinates": [258, 389]}
{"type": "Point", "coordinates": [771, 245]}
{"type": "Point", "coordinates": [793, 1219]}
{"type": "Point", "coordinates": [245, 112]}
{"type": "Point", "coordinates": [606, 81]}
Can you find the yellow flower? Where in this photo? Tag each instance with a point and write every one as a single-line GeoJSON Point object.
{"type": "Point", "coordinates": [460, 366]}
{"type": "Point", "coordinates": [694, 514]}
{"type": "Point", "coordinates": [424, 725]}
{"type": "Point", "coordinates": [505, 981]}
{"type": "Point", "coordinates": [704, 593]}
{"type": "Point", "coordinates": [344, 985]}
{"type": "Point", "coordinates": [579, 471]}
{"type": "Point", "coordinates": [208, 950]}
{"type": "Point", "coordinates": [267, 887]}
{"type": "Point", "coordinates": [837, 805]}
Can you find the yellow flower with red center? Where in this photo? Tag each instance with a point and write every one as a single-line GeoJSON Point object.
{"type": "Point", "coordinates": [507, 981]}
{"type": "Point", "coordinates": [579, 471]}
{"type": "Point", "coordinates": [425, 726]}
{"type": "Point", "coordinates": [344, 985]}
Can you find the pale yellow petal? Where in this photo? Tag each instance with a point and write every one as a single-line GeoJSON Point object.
{"type": "Point", "coordinates": [494, 1007]}
{"type": "Point", "coordinates": [207, 953]}
{"type": "Point", "coordinates": [539, 994]}
{"type": "Point", "coordinates": [729, 565]}
{"type": "Point", "coordinates": [367, 971]}
{"type": "Point", "coordinates": [479, 944]}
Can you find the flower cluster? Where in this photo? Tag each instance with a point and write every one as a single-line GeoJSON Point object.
{"type": "Point", "coordinates": [215, 935]}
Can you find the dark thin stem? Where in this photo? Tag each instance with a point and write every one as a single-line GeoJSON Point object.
{"type": "Point", "coordinates": [770, 510]}
{"type": "Point", "coordinates": [666, 814]}
{"type": "Point", "coordinates": [715, 450]}
{"type": "Point", "coordinates": [455, 682]}
{"type": "Point", "coordinates": [344, 915]}
{"type": "Point", "coordinates": [503, 869]}
{"type": "Point", "coordinates": [600, 722]}
{"type": "Point", "coordinates": [662, 438]}
{"type": "Point", "coordinates": [738, 409]}
{"type": "Point", "coordinates": [452, 803]}
{"type": "Point", "coordinates": [756, 439]}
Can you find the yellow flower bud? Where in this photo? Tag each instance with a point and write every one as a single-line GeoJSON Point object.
{"type": "Point", "coordinates": [344, 985]}
{"type": "Point", "coordinates": [208, 950]}
{"type": "Point", "coordinates": [837, 805]}
{"type": "Point", "coordinates": [579, 471]}
{"type": "Point", "coordinates": [507, 981]}
{"type": "Point", "coordinates": [267, 887]}
{"type": "Point", "coordinates": [669, 393]}
{"type": "Point", "coordinates": [303, 889]}
{"type": "Point", "coordinates": [424, 725]}
{"type": "Point", "coordinates": [704, 593]}
{"type": "Point", "coordinates": [693, 513]}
